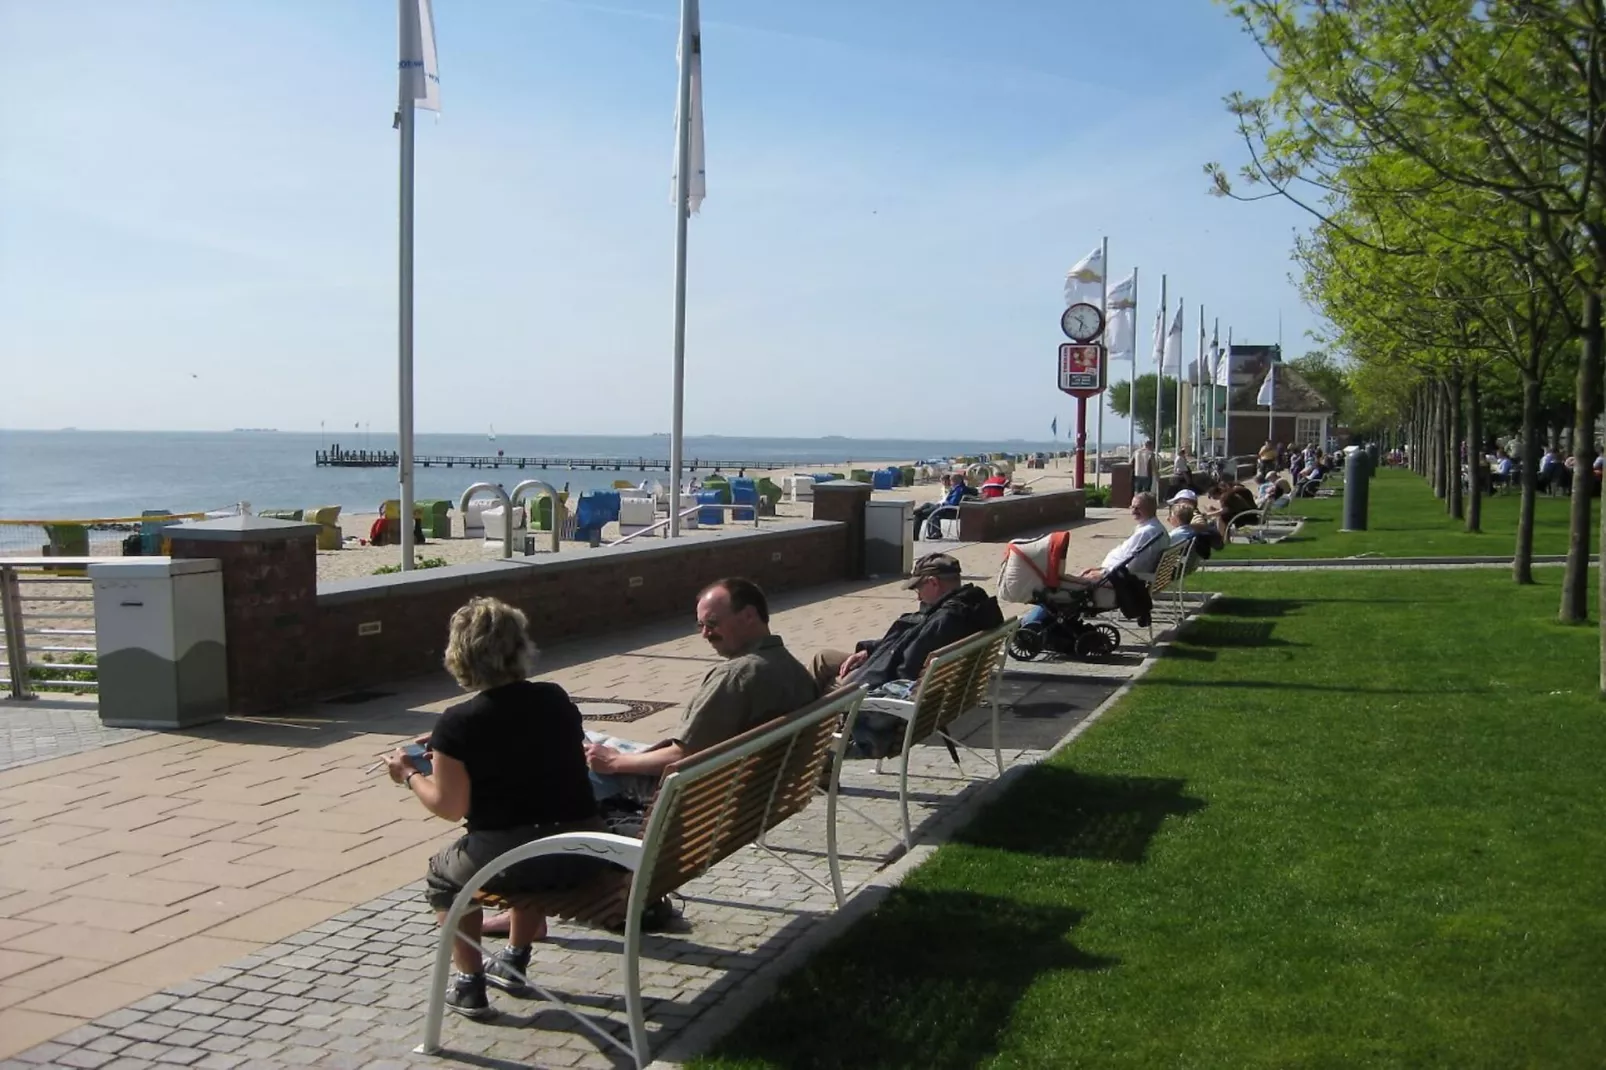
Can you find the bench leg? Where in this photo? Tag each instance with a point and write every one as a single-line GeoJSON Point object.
{"type": "Point", "coordinates": [632, 966]}
{"type": "Point", "coordinates": [903, 798]}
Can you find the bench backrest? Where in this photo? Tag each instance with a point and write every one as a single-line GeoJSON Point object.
{"type": "Point", "coordinates": [1172, 566]}
{"type": "Point", "coordinates": [717, 801]}
{"type": "Point", "coordinates": [958, 678]}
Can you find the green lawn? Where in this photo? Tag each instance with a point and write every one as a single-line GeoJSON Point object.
{"type": "Point", "coordinates": [1404, 519]}
{"type": "Point", "coordinates": [1354, 821]}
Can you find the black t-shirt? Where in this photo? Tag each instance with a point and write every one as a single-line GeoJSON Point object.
{"type": "Point", "coordinates": [524, 749]}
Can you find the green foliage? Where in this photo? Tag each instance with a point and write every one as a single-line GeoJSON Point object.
{"type": "Point", "coordinates": [1350, 819]}
{"type": "Point", "coordinates": [50, 670]}
{"type": "Point", "coordinates": [1120, 401]}
{"type": "Point", "coordinates": [418, 562]}
{"type": "Point", "coordinates": [1097, 496]}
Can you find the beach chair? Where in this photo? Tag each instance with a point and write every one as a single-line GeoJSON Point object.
{"type": "Point", "coordinates": [327, 517]}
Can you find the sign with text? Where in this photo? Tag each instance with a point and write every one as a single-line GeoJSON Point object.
{"type": "Point", "coordinates": [1082, 369]}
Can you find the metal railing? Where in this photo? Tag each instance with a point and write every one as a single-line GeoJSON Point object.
{"type": "Point", "coordinates": [47, 611]}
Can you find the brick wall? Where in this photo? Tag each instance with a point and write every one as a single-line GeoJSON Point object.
{"type": "Point", "coordinates": [999, 518]}
{"type": "Point", "coordinates": [290, 642]}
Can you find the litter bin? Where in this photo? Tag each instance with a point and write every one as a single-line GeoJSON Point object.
{"type": "Point", "coordinates": [1120, 486]}
{"type": "Point", "coordinates": [889, 538]}
{"type": "Point", "coordinates": [1357, 473]}
{"type": "Point", "coordinates": [160, 652]}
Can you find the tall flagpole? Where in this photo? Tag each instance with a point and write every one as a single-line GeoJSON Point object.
{"type": "Point", "coordinates": [1132, 376]}
{"type": "Point", "coordinates": [404, 357]}
{"type": "Point", "coordinates": [1176, 434]}
{"type": "Point", "coordinates": [1104, 314]}
{"type": "Point", "coordinates": [682, 212]}
{"type": "Point", "coordinates": [1159, 374]}
{"type": "Point", "coordinates": [1226, 411]}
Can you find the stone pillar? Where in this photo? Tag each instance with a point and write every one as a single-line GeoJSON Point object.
{"type": "Point", "coordinates": [270, 592]}
{"type": "Point", "coordinates": [843, 501]}
{"type": "Point", "coordinates": [1120, 486]}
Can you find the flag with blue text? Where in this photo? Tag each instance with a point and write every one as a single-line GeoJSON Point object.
{"type": "Point", "coordinates": [416, 67]}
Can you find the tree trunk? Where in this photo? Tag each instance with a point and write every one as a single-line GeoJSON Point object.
{"type": "Point", "coordinates": [1436, 437]}
{"type": "Point", "coordinates": [1474, 456]}
{"type": "Point", "coordinates": [1575, 584]}
{"type": "Point", "coordinates": [1453, 501]}
{"type": "Point", "coordinates": [1522, 561]}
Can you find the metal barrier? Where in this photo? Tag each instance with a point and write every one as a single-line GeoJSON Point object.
{"type": "Point", "coordinates": [48, 609]}
{"type": "Point", "coordinates": [101, 536]}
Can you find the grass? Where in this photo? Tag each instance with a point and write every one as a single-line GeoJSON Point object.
{"type": "Point", "coordinates": [418, 562]}
{"type": "Point", "coordinates": [51, 671]}
{"type": "Point", "coordinates": [1404, 519]}
{"type": "Point", "coordinates": [1353, 821]}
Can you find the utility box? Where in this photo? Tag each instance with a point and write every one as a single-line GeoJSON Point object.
{"type": "Point", "coordinates": [889, 538]}
{"type": "Point", "coordinates": [160, 651]}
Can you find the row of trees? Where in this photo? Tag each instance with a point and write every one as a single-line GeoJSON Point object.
{"type": "Point", "coordinates": [1453, 156]}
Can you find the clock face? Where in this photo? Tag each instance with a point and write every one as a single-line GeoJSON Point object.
{"type": "Point", "coordinates": [1082, 322]}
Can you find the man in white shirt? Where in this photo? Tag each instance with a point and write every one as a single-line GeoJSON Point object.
{"type": "Point", "coordinates": [1140, 553]}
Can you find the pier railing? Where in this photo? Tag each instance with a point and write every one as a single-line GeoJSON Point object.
{"type": "Point", "coordinates": [47, 611]}
{"type": "Point", "coordinates": [336, 457]}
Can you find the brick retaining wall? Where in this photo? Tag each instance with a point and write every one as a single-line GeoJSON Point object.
{"type": "Point", "coordinates": [999, 518]}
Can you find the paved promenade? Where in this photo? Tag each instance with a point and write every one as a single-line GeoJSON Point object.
{"type": "Point", "coordinates": [247, 895]}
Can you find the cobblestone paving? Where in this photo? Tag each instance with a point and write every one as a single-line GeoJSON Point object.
{"type": "Point", "coordinates": [351, 991]}
{"type": "Point", "coordinates": [37, 730]}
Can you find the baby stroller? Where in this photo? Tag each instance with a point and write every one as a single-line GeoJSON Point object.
{"type": "Point", "coordinates": [1058, 622]}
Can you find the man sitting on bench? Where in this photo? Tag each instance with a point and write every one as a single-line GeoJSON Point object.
{"type": "Point", "coordinates": [1139, 554]}
{"type": "Point", "coordinates": [950, 610]}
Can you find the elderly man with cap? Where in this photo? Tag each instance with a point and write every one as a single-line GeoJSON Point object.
{"type": "Point", "coordinates": [949, 610]}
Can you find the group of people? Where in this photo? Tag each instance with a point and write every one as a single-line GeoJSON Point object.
{"type": "Point", "coordinates": [514, 763]}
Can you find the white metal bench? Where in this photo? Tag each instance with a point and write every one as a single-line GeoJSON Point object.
{"type": "Point", "coordinates": [957, 679]}
{"type": "Point", "coordinates": [709, 805]}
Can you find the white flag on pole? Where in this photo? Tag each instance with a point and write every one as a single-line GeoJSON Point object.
{"type": "Point", "coordinates": [697, 182]}
{"type": "Point", "coordinates": [1121, 331]}
{"type": "Point", "coordinates": [420, 78]}
{"type": "Point", "coordinates": [1085, 281]}
{"type": "Point", "coordinates": [1173, 344]}
{"type": "Point", "coordinates": [1268, 389]}
{"type": "Point", "coordinates": [1159, 340]}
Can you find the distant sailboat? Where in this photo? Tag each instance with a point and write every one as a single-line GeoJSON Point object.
{"type": "Point", "coordinates": [492, 435]}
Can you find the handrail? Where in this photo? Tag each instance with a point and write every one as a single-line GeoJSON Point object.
{"type": "Point", "coordinates": [15, 622]}
{"type": "Point", "coordinates": [507, 513]}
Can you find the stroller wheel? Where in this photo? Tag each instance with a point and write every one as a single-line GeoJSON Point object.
{"type": "Point", "coordinates": [1026, 643]}
{"type": "Point", "coordinates": [1099, 641]}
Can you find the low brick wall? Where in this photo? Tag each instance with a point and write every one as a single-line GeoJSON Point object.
{"type": "Point", "coordinates": [1000, 518]}
{"type": "Point", "coordinates": [290, 643]}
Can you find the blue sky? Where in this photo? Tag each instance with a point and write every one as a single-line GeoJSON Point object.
{"type": "Point", "coordinates": [200, 211]}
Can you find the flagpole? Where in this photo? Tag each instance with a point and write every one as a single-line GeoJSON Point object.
{"type": "Point", "coordinates": [1160, 373]}
{"type": "Point", "coordinates": [404, 332]}
{"type": "Point", "coordinates": [1198, 391]}
{"type": "Point", "coordinates": [1132, 375]}
{"type": "Point", "coordinates": [1176, 433]}
{"type": "Point", "coordinates": [682, 194]}
{"type": "Point", "coordinates": [1104, 315]}
{"type": "Point", "coordinates": [1226, 412]}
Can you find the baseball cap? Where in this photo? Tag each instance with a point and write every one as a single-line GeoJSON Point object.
{"type": "Point", "coordinates": [933, 565]}
{"type": "Point", "coordinates": [1182, 496]}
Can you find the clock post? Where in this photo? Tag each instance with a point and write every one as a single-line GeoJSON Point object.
{"type": "Point", "coordinates": [1082, 370]}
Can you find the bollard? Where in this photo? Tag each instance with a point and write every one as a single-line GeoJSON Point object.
{"type": "Point", "coordinates": [1357, 473]}
{"type": "Point", "coordinates": [1372, 454]}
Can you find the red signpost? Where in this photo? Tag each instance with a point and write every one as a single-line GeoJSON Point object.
{"type": "Point", "coordinates": [1082, 375]}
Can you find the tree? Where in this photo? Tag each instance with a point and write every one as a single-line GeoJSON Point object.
{"type": "Point", "coordinates": [1323, 371]}
{"type": "Point", "coordinates": [1121, 404]}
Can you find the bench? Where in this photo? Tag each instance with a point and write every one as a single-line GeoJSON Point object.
{"type": "Point", "coordinates": [1170, 574]}
{"type": "Point", "coordinates": [708, 806]}
{"type": "Point", "coordinates": [956, 679]}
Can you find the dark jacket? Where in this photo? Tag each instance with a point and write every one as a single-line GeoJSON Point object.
{"type": "Point", "coordinates": [901, 653]}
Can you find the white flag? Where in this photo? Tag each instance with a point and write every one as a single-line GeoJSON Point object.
{"type": "Point", "coordinates": [1085, 281]}
{"type": "Point", "coordinates": [419, 75]}
{"type": "Point", "coordinates": [697, 183]}
{"type": "Point", "coordinates": [1159, 340]}
{"type": "Point", "coordinates": [1173, 343]}
{"type": "Point", "coordinates": [1268, 389]}
{"type": "Point", "coordinates": [1121, 329]}
{"type": "Point", "coordinates": [1224, 367]}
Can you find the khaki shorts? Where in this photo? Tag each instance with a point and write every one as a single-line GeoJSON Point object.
{"type": "Point", "coordinates": [455, 864]}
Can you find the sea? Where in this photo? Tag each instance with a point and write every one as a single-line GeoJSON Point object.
{"type": "Point", "coordinates": [69, 474]}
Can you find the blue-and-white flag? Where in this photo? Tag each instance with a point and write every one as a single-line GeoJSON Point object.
{"type": "Point", "coordinates": [419, 74]}
{"type": "Point", "coordinates": [1054, 426]}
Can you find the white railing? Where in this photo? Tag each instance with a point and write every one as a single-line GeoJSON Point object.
{"type": "Point", "coordinates": [661, 527]}
{"type": "Point", "coordinates": [47, 611]}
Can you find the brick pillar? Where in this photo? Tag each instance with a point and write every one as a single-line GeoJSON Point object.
{"type": "Point", "coordinates": [270, 591]}
{"type": "Point", "coordinates": [843, 500]}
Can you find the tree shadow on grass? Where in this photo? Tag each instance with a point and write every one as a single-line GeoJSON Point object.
{"type": "Point", "coordinates": [928, 980]}
{"type": "Point", "coordinates": [1065, 814]}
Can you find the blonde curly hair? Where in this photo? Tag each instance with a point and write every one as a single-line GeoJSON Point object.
{"type": "Point", "coordinates": [489, 645]}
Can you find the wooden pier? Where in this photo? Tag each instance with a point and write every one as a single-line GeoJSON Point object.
{"type": "Point", "coordinates": [342, 458]}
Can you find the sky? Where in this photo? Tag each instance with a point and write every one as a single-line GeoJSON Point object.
{"type": "Point", "coordinates": [198, 212]}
